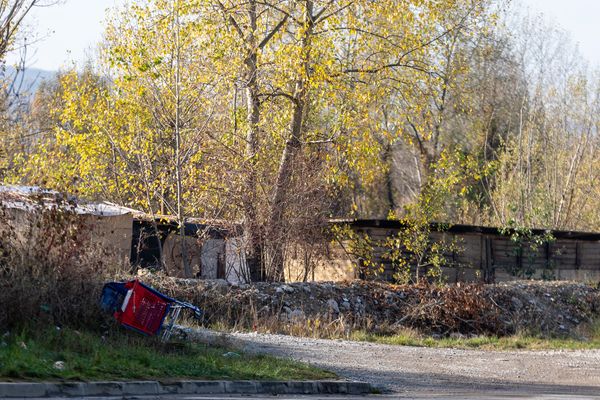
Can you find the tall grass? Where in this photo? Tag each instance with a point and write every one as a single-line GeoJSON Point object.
{"type": "Point", "coordinates": [50, 271]}
{"type": "Point", "coordinates": [83, 355]}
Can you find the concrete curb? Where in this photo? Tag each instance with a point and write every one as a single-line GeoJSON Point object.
{"type": "Point", "coordinates": [140, 388]}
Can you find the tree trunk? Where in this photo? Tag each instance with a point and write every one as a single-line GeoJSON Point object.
{"type": "Point", "coordinates": [252, 228]}
{"type": "Point", "coordinates": [187, 270]}
{"type": "Point", "coordinates": [293, 145]}
{"type": "Point", "coordinates": [277, 222]}
{"type": "Point", "coordinates": [389, 177]}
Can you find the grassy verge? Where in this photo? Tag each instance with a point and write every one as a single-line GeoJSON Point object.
{"type": "Point", "coordinates": [87, 356]}
{"type": "Point", "coordinates": [409, 337]}
{"type": "Point", "coordinates": [515, 342]}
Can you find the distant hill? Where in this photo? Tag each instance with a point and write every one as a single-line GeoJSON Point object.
{"type": "Point", "coordinates": [31, 79]}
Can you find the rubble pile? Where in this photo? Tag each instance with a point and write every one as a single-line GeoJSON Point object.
{"type": "Point", "coordinates": [550, 308]}
{"type": "Point", "coordinates": [543, 308]}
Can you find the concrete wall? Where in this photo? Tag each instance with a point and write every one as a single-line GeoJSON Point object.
{"type": "Point", "coordinates": [112, 233]}
{"type": "Point", "coordinates": [235, 261]}
{"type": "Point", "coordinates": [330, 263]}
{"type": "Point", "coordinates": [214, 258]}
{"type": "Point", "coordinates": [172, 253]}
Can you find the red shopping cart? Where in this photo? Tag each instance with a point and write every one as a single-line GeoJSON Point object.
{"type": "Point", "coordinates": [144, 309]}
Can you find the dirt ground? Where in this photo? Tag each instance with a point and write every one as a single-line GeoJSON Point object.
{"type": "Point", "coordinates": [403, 369]}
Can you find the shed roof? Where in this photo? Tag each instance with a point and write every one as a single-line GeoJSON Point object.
{"type": "Point", "coordinates": [465, 229]}
{"type": "Point", "coordinates": [30, 198]}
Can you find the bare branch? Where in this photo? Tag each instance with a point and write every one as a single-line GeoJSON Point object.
{"type": "Point", "coordinates": [270, 35]}
{"type": "Point", "coordinates": [317, 19]}
{"type": "Point", "coordinates": [232, 20]}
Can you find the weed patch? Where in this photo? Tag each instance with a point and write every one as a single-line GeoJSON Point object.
{"type": "Point", "coordinates": [67, 354]}
{"type": "Point", "coordinates": [512, 342]}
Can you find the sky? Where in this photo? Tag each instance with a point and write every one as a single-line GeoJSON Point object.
{"type": "Point", "coordinates": [69, 31]}
{"type": "Point", "coordinates": [579, 18]}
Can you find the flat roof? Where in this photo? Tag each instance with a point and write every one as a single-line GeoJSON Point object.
{"type": "Point", "coordinates": [461, 228]}
{"type": "Point", "coordinates": [30, 198]}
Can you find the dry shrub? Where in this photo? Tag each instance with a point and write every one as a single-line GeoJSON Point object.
{"type": "Point", "coordinates": [385, 309]}
{"type": "Point", "coordinates": [452, 309]}
{"type": "Point", "coordinates": [50, 272]}
{"type": "Point", "coordinates": [304, 309]}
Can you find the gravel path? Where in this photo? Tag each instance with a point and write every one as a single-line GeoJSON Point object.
{"type": "Point", "coordinates": [404, 369]}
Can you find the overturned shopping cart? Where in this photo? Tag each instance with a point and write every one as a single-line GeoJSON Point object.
{"type": "Point", "coordinates": [143, 309]}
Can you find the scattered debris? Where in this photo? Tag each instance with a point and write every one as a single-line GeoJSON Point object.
{"type": "Point", "coordinates": [59, 365]}
{"type": "Point", "coordinates": [549, 308]}
{"type": "Point", "coordinates": [333, 306]}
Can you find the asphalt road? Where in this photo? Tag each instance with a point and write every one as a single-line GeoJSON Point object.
{"type": "Point", "coordinates": [404, 372]}
{"type": "Point", "coordinates": [415, 372]}
{"type": "Point", "coordinates": [416, 396]}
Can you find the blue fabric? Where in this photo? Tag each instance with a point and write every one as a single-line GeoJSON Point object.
{"type": "Point", "coordinates": [113, 294]}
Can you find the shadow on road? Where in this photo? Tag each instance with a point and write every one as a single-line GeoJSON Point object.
{"type": "Point", "coordinates": [392, 369]}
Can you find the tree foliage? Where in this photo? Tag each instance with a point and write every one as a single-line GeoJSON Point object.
{"type": "Point", "coordinates": [281, 114]}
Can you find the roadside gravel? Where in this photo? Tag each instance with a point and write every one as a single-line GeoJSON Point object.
{"type": "Point", "coordinates": [402, 368]}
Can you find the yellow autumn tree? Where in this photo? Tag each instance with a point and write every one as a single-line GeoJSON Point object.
{"type": "Point", "coordinates": [261, 111]}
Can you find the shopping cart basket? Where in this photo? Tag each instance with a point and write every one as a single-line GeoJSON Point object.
{"type": "Point", "coordinates": [141, 308]}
